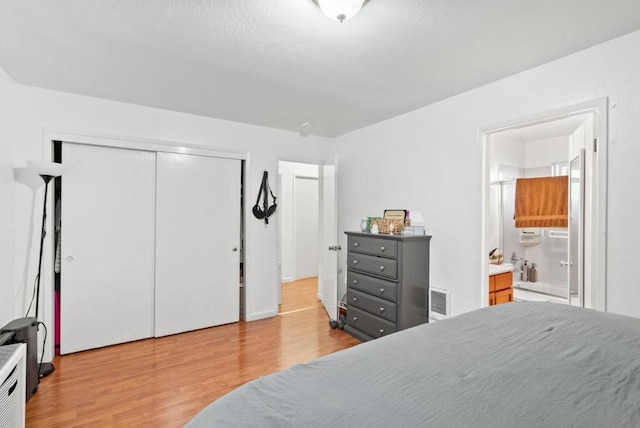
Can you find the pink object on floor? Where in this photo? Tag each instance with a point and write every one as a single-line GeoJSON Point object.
{"type": "Point", "coordinates": [56, 322]}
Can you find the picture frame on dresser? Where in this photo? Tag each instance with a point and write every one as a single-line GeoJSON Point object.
{"type": "Point", "coordinates": [387, 283]}
{"type": "Point", "coordinates": [395, 215]}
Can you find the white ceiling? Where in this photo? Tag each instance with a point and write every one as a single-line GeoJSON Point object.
{"type": "Point", "coordinates": [280, 63]}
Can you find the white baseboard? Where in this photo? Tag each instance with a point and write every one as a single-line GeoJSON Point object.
{"type": "Point", "coordinates": [261, 315]}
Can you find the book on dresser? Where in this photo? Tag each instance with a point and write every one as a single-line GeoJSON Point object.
{"type": "Point", "coordinates": [387, 283]}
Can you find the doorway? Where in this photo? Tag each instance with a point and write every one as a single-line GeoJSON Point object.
{"type": "Point", "coordinates": [298, 235]}
{"type": "Point", "coordinates": [569, 261]}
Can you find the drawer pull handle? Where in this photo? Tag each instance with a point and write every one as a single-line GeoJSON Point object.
{"type": "Point", "coordinates": [355, 262]}
{"type": "Point", "coordinates": [355, 281]}
{"type": "Point", "coordinates": [383, 248]}
{"type": "Point", "coordinates": [381, 309]}
{"type": "Point", "coordinates": [355, 299]}
{"type": "Point", "coordinates": [381, 332]}
{"type": "Point", "coordinates": [356, 244]}
{"type": "Point", "coordinates": [382, 268]}
{"type": "Point", "coordinates": [382, 291]}
{"type": "Point", "coordinates": [355, 319]}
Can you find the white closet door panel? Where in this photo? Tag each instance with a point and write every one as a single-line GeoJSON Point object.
{"type": "Point", "coordinates": [197, 242]}
{"type": "Point", "coordinates": [107, 272]}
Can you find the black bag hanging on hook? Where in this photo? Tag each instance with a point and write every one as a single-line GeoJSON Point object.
{"type": "Point", "coordinates": [264, 211]}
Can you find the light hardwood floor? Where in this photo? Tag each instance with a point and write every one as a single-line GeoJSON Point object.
{"type": "Point", "coordinates": [299, 295]}
{"type": "Point", "coordinates": [164, 382]}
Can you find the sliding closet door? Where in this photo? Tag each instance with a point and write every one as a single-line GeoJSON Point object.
{"type": "Point", "coordinates": [107, 269]}
{"type": "Point", "coordinates": [197, 242]}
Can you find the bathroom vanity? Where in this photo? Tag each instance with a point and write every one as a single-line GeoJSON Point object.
{"type": "Point", "coordinates": [500, 284]}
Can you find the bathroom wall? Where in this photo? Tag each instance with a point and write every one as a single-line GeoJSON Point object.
{"type": "Point", "coordinates": [507, 162]}
{"type": "Point", "coordinates": [540, 155]}
{"type": "Point", "coordinates": [537, 157]}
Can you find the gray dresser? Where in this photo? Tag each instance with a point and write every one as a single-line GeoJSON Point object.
{"type": "Point", "coordinates": [387, 283]}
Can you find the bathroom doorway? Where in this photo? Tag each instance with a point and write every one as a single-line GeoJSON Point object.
{"type": "Point", "coordinates": [569, 262]}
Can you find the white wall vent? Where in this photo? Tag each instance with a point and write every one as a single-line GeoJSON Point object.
{"type": "Point", "coordinates": [439, 304]}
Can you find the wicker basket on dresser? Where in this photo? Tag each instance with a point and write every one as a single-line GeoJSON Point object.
{"type": "Point", "coordinates": [387, 283]}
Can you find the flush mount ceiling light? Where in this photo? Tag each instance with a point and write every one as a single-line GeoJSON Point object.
{"type": "Point", "coordinates": [340, 10]}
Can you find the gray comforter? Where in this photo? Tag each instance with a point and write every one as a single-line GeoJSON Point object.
{"type": "Point", "coordinates": [521, 364]}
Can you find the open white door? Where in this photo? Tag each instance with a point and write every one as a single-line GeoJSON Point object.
{"type": "Point", "coordinates": [328, 275]}
{"type": "Point", "coordinates": [575, 271]}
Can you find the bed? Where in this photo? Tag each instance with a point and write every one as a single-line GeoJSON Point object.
{"type": "Point", "coordinates": [522, 364]}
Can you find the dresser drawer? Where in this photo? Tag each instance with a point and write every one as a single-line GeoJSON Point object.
{"type": "Point", "coordinates": [372, 264]}
{"type": "Point", "coordinates": [375, 286]}
{"type": "Point", "coordinates": [382, 308]}
{"type": "Point", "coordinates": [374, 246]}
{"type": "Point", "coordinates": [370, 325]}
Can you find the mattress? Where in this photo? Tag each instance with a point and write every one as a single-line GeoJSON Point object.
{"type": "Point", "coordinates": [522, 364]}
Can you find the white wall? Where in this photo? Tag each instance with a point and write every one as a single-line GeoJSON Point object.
{"type": "Point", "coordinates": [431, 160]}
{"type": "Point", "coordinates": [505, 152]}
{"type": "Point", "coordinates": [34, 110]}
{"type": "Point", "coordinates": [543, 153]}
{"type": "Point", "coordinates": [7, 310]}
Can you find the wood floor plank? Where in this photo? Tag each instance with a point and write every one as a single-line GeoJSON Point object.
{"type": "Point", "coordinates": [164, 382]}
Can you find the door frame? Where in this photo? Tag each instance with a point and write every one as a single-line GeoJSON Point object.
{"type": "Point", "coordinates": [49, 136]}
{"type": "Point", "coordinates": [598, 108]}
{"type": "Point", "coordinates": [320, 164]}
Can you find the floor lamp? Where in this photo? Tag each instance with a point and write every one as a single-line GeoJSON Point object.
{"type": "Point", "coordinates": [47, 171]}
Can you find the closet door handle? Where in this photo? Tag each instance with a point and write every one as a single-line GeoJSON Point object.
{"type": "Point", "coordinates": [234, 249]}
{"type": "Point", "coordinates": [381, 268]}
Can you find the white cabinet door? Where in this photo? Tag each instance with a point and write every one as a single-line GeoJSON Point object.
{"type": "Point", "coordinates": [197, 242]}
{"type": "Point", "coordinates": [107, 271]}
